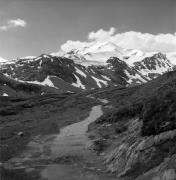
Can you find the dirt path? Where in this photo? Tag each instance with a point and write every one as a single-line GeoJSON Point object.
{"type": "Point", "coordinates": [65, 156]}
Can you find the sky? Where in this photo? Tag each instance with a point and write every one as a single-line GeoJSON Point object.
{"type": "Point", "coordinates": [32, 27]}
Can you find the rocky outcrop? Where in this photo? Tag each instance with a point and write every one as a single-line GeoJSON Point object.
{"type": "Point", "coordinates": [136, 156]}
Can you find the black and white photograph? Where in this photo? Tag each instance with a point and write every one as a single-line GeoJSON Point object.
{"type": "Point", "coordinates": [87, 89]}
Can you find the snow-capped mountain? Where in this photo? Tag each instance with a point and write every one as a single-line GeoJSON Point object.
{"type": "Point", "coordinates": [152, 67]}
{"type": "Point", "coordinates": [100, 52]}
{"type": "Point", "coordinates": [67, 75]}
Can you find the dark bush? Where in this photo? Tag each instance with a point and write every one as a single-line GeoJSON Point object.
{"type": "Point", "coordinates": [159, 113]}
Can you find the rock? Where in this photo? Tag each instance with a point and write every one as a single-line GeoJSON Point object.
{"type": "Point", "coordinates": [20, 134]}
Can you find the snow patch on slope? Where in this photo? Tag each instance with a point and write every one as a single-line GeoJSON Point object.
{"type": "Point", "coordinates": [78, 83]}
{"type": "Point", "coordinates": [4, 94]}
{"type": "Point", "coordinates": [134, 77]}
{"type": "Point", "coordinates": [99, 81]}
{"type": "Point", "coordinates": [80, 72]}
{"type": "Point", "coordinates": [46, 82]}
{"type": "Point", "coordinates": [105, 77]}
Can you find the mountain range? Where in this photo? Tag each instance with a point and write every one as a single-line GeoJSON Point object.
{"type": "Point", "coordinates": [94, 66]}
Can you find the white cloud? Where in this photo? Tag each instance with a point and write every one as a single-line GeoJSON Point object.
{"type": "Point", "coordinates": [70, 45]}
{"type": "Point", "coordinates": [101, 34]}
{"type": "Point", "coordinates": [146, 42]}
{"type": "Point", "coordinates": [13, 23]}
{"type": "Point", "coordinates": [132, 40]}
{"type": "Point", "coordinates": [17, 22]}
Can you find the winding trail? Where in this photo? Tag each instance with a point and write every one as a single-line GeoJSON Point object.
{"type": "Point", "coordinates": [65, 156]}
{"type": "Point", "coordinates": [72, 139]}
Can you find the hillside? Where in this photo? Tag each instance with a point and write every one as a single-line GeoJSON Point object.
{"type": "Point", "coordinates": [137, 135]}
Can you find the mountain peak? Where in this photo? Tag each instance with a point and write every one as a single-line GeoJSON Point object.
{"type": "Point", "coordinates": [160, 55]}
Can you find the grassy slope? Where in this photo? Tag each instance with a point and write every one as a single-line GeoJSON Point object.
{"type": "Point", "coordinates": [35, 116]}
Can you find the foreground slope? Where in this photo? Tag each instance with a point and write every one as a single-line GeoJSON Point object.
{"type": "Point", "coordinates": [138, 133]}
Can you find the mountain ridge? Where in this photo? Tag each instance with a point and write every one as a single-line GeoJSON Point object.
{"type": "Point", "coordinates": [67, 75]}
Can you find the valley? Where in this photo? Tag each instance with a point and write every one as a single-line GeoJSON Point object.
{"type": "Point", "coordinates": [70, 118]}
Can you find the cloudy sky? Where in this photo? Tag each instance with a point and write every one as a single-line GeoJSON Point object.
{"type": "Point", "coordinates": [32, 27]}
